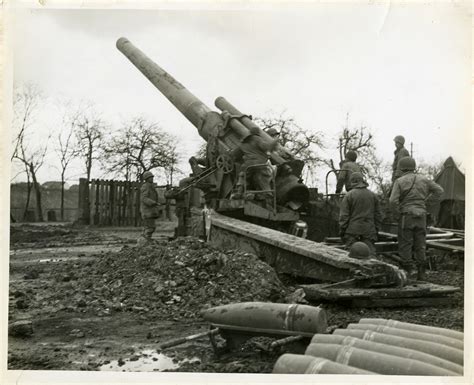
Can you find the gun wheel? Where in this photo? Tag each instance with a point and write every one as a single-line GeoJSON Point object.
{"type": "Point", "coordinates": [225, 163]}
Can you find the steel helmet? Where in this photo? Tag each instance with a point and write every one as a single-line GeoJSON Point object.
{"type": "Point", "coordinates": [351, 155]}
{"type": "Point", "coordinates": [359, 250]}
{"type": "Point", "coordinates": [272, 131]}
{"type": "Point", "coordinates": [147, 174]}
{"type": "Point", "coordinates": [407, 163]}
{"type": "Point", "coordinates": [357, 177]}
{"type": "Point", "coordinates": [399, 139]}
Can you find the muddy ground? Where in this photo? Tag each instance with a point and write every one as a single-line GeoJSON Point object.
{"type": "Point", "coordinates": [91, 299]}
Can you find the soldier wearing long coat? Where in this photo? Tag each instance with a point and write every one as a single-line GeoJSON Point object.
{"type": "Point", "coordinates": [408, 201]}
{"type": "Point", "coordinates": [360, 215]}
{"type": "Point", "coordinates": [149, 205]}
{"type": "Point", "coordinates": [348, 167]}
{"type": "Point", "coordinates": [399, 153]}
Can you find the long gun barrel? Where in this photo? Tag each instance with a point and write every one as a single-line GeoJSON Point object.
{"type": "Point", "coordinates": [188, 104]}
{"type": "Point", "coordinates": [228, 129]}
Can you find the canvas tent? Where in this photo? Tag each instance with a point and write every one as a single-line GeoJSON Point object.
{"type": "Point", "coordinates": [452, 205]}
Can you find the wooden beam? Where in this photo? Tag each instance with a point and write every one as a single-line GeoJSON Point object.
{"type": "Point", "coordinates": [318, 292]}
{"type": "Point", "coordinates": [401, 302]}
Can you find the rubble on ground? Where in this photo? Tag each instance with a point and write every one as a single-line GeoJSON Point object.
{"type": "Point", "coordinates": [23, 328]}
{"type": "Point", "coordinates": [167, 280]}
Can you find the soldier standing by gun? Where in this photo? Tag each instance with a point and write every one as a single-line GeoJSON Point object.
{"type": "Point", "coordinates": [399, 153]}
{"type": "Point", "coordinates": [348, 167]}
{"type": "Point", "coordinates": [408, 202]}
{"type": "Point", "coordinates": [360, 215]}
{"type": "Point", "coordinates": [149, 205]}
{"type": "Point", "coordinates": [255, 152]}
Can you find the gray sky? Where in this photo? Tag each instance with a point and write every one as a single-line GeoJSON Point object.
{"type": "Point", "coordinates": [399, 69]}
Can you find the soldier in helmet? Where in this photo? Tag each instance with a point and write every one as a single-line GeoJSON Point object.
{"type": "Point", "coordinates": [348, 167]}
{"type": "Point", "coordinates": [279, 149]}
{"type": "Point", "coordinates": [149, 205]}
{"type": "Point", "coordinates": [273, 132]}
{"type": "Point", "coordinates": [360, 216]}
{"type": "Point", "coordinates": [408, 202]}
{"type": "Point", "coordinates": [399, 153]}
{"type": "Point", "coordinates": [255, 152]}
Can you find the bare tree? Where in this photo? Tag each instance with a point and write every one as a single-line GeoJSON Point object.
{"type": "Point", "coordinates": [89, 130]}
{"type": "Point", "coordinates": [67, 150]}
{"type": "Point", "coordinates": [378, 173]}
{"type": "Point", "coordinates": [301, 142]}
{"type": "Point", "coordinates": [358, 139]}
{"type": "Point", "coordinates": [173, 157]}
{"type": "Point", "coordinates": [32, 161]}
{"type": "Point", "coordinates": [26, 98]}
{"type": "Point", "coordinates": [430, 170]}
{"type": "Point", "coordinates": [26, 103]}
{"type": "Point", "coordinates": [140, 146]}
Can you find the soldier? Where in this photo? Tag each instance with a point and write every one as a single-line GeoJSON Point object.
{"type": "Point", "coordinates": [408, 202]}
{"type": "Point", "coordinates": [360, 215]}
{"type": "Point", "coordinates": [399, 153]}
{"type": "Point", "coordinates": [255, 151]}
{"type": "Point", "coordinates": [348, 167]}
{"type": "Point", "coordinates": [273, 132]}
{"type": "Point", "coordinates": [279, 149]}
{"type": "Point", "coordinates": [148, 205]}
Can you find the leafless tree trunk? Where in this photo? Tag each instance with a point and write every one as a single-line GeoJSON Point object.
{"type": "Point", "coordinates": [26, 102]}
{"type": "Point", "coordinates": [67, 151]}
{"type": "Point", "coordinates": [89, 130]}
{"type": "Point", "coordinates": [28, 193]}
{"type": "Point", "coordinates": [37, 187]}
{"type": "Point", "coordinates": [89, 135]}
{"type": "Point", "coordinates": [32, 162]}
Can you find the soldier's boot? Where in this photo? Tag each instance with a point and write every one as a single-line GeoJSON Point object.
{"type": "Point", "coordinates": [421, 273]}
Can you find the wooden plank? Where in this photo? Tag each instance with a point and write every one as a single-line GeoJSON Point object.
{"type": "Point", "coordinates": [137, 218]}
{"type": "Point", "coordinates": [120, 200]}
{"type": "Point", "coordinates": [101, 203]}
{"type": "Point", "coordinates": [107, 202]}
{"type": "Point", "coordinates": [316, 292]}
{"type": "Point", "coordinates": [93, 207]}
{"type": "Point", "coordinates": [445, 246]}
{"type": "Point", "coordinates": [112, 201]}
{"type": "Point", "coordinates": [129, 203]}
{"type": "Point", "coordinates": [435, 235]}
{"type": "Point", "coordinates": [401, 302]}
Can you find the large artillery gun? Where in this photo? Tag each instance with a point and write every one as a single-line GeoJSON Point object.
{"type": "Point", "coordinates": [217, 173]}
{"type": "Point", "coordinates": [251, 224]}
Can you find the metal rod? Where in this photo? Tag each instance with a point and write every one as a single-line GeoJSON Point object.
{"type": "Point", "coordinates": [182, 340]}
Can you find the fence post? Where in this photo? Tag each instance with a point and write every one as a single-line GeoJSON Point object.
{"type": "Point", "coordinates": [84, 203]}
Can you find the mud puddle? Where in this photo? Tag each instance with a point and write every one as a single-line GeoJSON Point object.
{"type": "Point", "coordinates": [71, 251]}
{"type": "Point", "coordinates": [147, 361]}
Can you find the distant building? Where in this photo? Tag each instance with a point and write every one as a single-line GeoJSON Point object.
{"type": "Point", "coordinates": [53, 185]}
{"type": "Point", "coordinates": [51, 202]}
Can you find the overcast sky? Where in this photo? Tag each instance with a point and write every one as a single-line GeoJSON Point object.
{"type": "Point", "coordinates": [398, 69]}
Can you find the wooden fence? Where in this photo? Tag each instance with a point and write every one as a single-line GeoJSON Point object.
{"type": "Point", "coordinates": [109, 203]}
